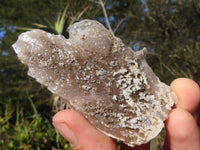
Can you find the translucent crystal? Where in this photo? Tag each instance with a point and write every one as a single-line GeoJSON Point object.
{"type": "Point", "coordinates": [99, 76]}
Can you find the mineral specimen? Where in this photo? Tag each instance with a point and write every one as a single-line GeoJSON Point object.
{"type": "Point", "coordinates": [99, 76]}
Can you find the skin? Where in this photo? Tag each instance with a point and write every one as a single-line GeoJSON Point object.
{"type": "Point", "coordinates": [181, 126]}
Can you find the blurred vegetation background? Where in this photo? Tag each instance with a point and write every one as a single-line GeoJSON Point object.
{"type": "Point", "coordinates": [169, 29]}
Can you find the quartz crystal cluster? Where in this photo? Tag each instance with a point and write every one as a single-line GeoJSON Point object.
{"type": "Point", "coordinates": [99, 76]}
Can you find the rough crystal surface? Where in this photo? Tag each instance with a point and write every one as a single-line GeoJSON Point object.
{"type": "Point", "coordinates": [99, 76]}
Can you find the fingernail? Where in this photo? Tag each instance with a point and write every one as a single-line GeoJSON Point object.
{"type": "Point", "coordinates": [66, 132]}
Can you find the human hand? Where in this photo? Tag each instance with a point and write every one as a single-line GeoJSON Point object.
{"type": "Point", "coordinates": [182, 130]}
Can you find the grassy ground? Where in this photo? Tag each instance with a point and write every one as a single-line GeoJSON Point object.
{"type": "Point", "coordinates": [19, 131]}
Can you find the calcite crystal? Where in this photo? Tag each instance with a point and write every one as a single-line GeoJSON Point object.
{"type": "Point", "coordinates": [99, 76]}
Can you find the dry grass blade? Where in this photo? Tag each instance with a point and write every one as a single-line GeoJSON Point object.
{"type": "Point", "coordinates": [78, 15]}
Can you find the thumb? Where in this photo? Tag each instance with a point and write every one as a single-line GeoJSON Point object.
{"type": "Point", "coordinates": [80, 133]}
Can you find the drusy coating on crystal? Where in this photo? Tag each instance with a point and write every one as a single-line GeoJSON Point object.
{"type": "Point", "coordinates": [99, 76]}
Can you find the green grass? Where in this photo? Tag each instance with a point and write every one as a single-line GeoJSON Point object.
{"type": "Point", "coordinates": [25, 132]}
